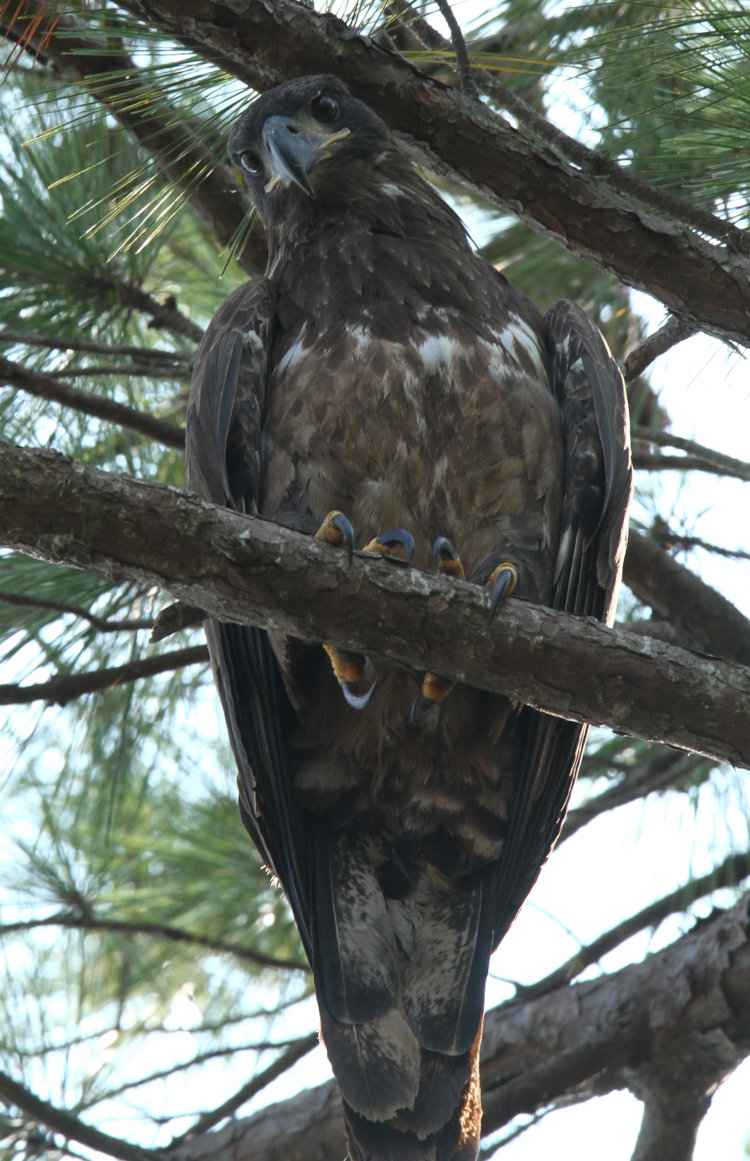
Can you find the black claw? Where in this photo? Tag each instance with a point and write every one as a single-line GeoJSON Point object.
{"type": "Point", "coordinates": [398, 536]}
{"type": "Point", "coordinates": [420, 709]}
{"type": "Point", "coordinates": [343, 525]}
{"type": "Point", "coordinates": [357, 701]}
{"type": "Point", "coordinates": [442, 549]}
{"type": "Point", "coordinates": [503, 579]}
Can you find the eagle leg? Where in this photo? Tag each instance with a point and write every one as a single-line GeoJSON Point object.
{"type": "Point", "coordinates": [436, 688]}
{"type": "Point", "coordinates": [353, 671]}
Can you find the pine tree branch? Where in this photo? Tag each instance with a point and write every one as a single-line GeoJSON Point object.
{"type": "Point", "coordinates": [651, 462]}
{"type": "Point", "coordinates": [64, 687]}
{"type": "Point", "coordinates": [703, 618]}
{"type": "Point", "coordinates": [50, 387]}
{"type": "Point", "coordinates": [725, 464]}
{"type": "Point", "coordinates": [730, 873]}
{"type": "Point", "coordinates": [102, 624]}
{"type": "Point", "coordinates": [706, 284]}
{"type": "Point", "coordinates": [246, 569]}
{"type": "Point", "coordinates": [92, 922]}
{"type": "Point", "coordinates": [179, 147]}
{"type": "Point", "coordinates": [70, 1126]}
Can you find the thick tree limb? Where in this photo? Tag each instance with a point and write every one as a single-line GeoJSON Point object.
{"type": "Point", "coordinates": [238, 568]}
{"type": "Point", "coordinates": [705, 284]}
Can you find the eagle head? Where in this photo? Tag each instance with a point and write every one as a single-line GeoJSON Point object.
{"type": "Point", "coordinates": [306, 146]}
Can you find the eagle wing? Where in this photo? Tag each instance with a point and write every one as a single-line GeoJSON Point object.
{"type": "Point", "coordinates": [598, 484]}
{"type": "Point", "coordinates": [224, 438]}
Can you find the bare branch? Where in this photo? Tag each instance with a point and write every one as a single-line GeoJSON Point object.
{"type": "Point", "coordinates": [704, 618]}
{"type": "Point", "coordinates": [49, 387]}
{"type": "Point", "coordinates": [281, 1065]}
{"type": "Point", "coordinates": [727, 465]}
{"type": "Point", "coordinates": [91, 922]}
{"type": "Point", "coordinates": [245, 569]}
{"type": "Point", "coordinates": [646, 462]}
{"type": "Point", "coordinates": [65, 687]}
{"type": "Point", "coordinates": [730, 873]}
{"type": "Point", "coordinates": [674, 331]}
{"type": "Point", "coordinates": [103, 624]}
{"type": "Point", "coordinates": [71, 1127]}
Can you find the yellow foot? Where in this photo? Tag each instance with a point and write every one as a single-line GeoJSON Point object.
{"type": "Point", "coordinates": [353, 671]}
{"type": "Point", "coordinates": [435, 688]}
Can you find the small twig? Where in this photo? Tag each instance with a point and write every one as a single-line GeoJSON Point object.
{"type": "Point", "coordinates": [137, 354]}
{"type": "Point", "coordinates": [468, 86]}
{"type": "Point", "coordinates": [663, 768]}
{"type": "Point", "coordinates": [90, 922]}
{"type": "Point", "coordinates": [678, 541]}
{"type": "Point", "coordinates": [728, 874]}
{"type": "Point", "coordinates": [61, 1121]}
{"type": "Point", "coordinates": [64, 687]}
{"type": "Point", "coordinates": [646, 462]}
{"type": "Point", "coordinates": [71, 372]}
{"type": "Point", "coordinates": [728, 464]}
{"type": "Point", "coordinates": [174, 617]}
{"type": "Point", "coordinates": [103, 624]}
{"type": "Point", "coordinates": [47, 387]}
{"type": "Point", "coordinates": [282, 1064]}
{"type": "Point", "coordinates": [674, 331]}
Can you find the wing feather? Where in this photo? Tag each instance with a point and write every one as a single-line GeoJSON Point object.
{"type": "Point", "coordinates": [598, 484]}
{"type": "Point", "coordinates": [223, 451]}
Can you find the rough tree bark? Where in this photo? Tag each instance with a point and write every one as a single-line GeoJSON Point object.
{"type": "Point", "coordinates": [244, 569]}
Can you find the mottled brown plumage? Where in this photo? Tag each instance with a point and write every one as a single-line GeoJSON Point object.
{"type": "Point", "coordinates": [384, 369]}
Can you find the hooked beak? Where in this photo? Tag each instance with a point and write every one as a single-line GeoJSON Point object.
{"type": "Point", "coordinates": [295, 153]}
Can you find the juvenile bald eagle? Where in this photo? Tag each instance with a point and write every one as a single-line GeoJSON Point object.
{"type": "Point", "coordinates": [383, 382]}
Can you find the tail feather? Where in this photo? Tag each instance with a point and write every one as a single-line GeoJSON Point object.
{"type": "Point", "coordinates": [400, 984]}
{"type": "Point", "coordinates": [444, 978]}
{"type": "Point", "coordinates": [376, 1065]}
{"type": "Point", "coordinates": [410, 1136]}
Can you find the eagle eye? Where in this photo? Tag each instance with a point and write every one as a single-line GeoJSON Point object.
{"type": "Point", "coordinates": [251, 162]}
{"type": "Point", "coordinates": [324, 109]}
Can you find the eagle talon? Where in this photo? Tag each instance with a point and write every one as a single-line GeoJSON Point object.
{"type": "Point", "coordinates": [501, 584]}
{"type": "Point", "coordinates": [337, 529]}
{"type": "Point", "coordinates": [447, 559]}
{"type": "Point", "coordinates": [387, 541]}
{"type": "Point", "coordinates": [357, 701]}
{"type": "Point", "coordinates": [421, 708]}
